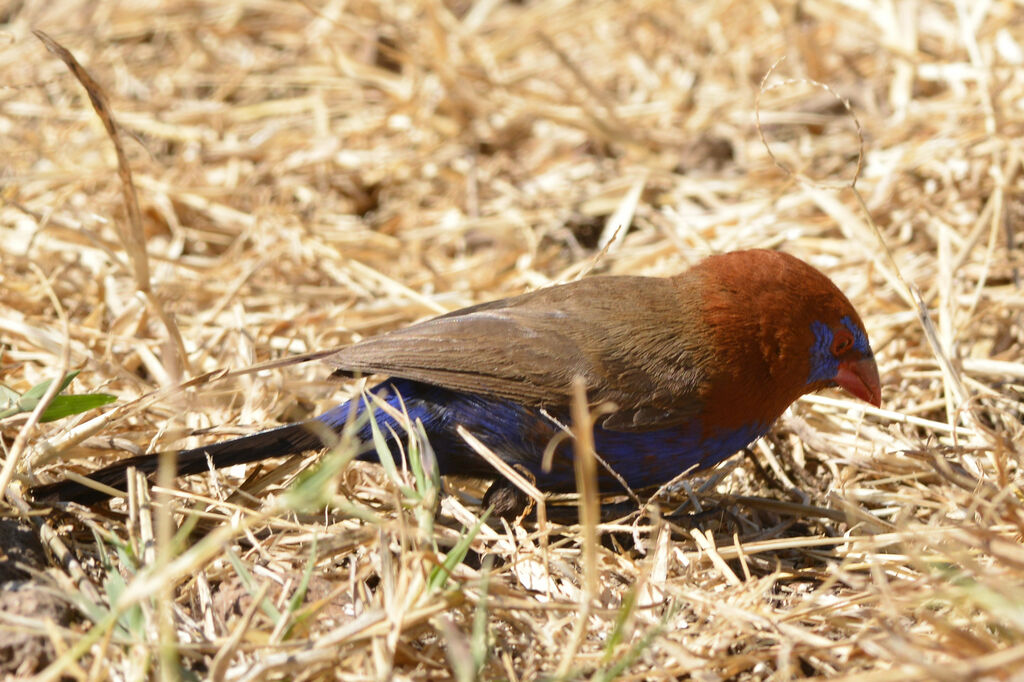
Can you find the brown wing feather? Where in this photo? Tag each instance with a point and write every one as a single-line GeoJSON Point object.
{"type": "Point", "coordinates": [528, 348]}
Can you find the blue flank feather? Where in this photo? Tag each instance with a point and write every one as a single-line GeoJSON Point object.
{"type": "Point", "coordinates": [519, 434]}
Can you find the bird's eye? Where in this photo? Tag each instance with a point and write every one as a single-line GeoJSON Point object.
{"type": "Point", "coordinates": [841, 342]}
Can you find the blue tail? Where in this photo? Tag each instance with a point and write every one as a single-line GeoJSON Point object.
{"type": "Point", "coordinates": [421, 402]}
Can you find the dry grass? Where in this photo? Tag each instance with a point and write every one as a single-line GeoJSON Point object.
{"type": "Point", "coordinates": [309, 173]}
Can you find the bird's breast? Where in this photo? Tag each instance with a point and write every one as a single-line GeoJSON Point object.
{"type": "Point", "coordinates": [652, 458]}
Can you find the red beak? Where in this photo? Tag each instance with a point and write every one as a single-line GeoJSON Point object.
{"type": "Point", "coordinates": [860, 377]}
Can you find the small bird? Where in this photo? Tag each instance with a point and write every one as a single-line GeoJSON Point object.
{"type": "Point", "coordinates": [693, 368]}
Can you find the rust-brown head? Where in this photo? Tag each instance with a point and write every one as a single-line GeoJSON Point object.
{"type": "Point", "coordinates": [785, 330]}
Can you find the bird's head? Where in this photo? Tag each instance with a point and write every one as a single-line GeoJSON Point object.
{"type": "Point", "coordinates": [841, 356]}
{"type": "Point", "coordinates": [788, 329]}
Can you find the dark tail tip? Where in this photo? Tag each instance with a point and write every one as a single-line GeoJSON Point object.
{"type": "Point", "coordinates": [285, 440]}
{"type": "Point", "coordinates": [70, 491]}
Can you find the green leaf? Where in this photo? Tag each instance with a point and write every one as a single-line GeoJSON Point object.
{"type": "Point", "coordinates": [300, 592]}
{"type": "Point", "coordinates": [67, 405]}
{"type": "Point", "coordinates": [30, 398]}
{"type": "Point", "coordinates": [384, 456]}
{"type": "Point", "coordinates": [266, 605]}
{"type": "Point", "coordinates": [314, 488]}
{"type": "Point", "coordinates": [61, 406]}
{"type": "Point", "coordinates": [479, 643]}
{"type": "Point", "coordinates": [439, 574]}
{"type": "Point", "coordinates": [8, 396]}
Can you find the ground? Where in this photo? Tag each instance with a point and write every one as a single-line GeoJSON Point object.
{"type": "Point", "coordinates": [311, 173]}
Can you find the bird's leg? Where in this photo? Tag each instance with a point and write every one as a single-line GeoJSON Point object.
{"type": "Point", "coordinates": [506, 500]}
{"type": "Point", "coordinates": [758, 469]}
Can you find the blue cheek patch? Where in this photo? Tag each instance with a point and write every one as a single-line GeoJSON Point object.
{"type": "Point", "coordinates": [824, 365]}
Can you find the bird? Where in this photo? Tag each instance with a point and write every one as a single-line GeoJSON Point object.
{"type": "Point", "coordinates": [689, 369]}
